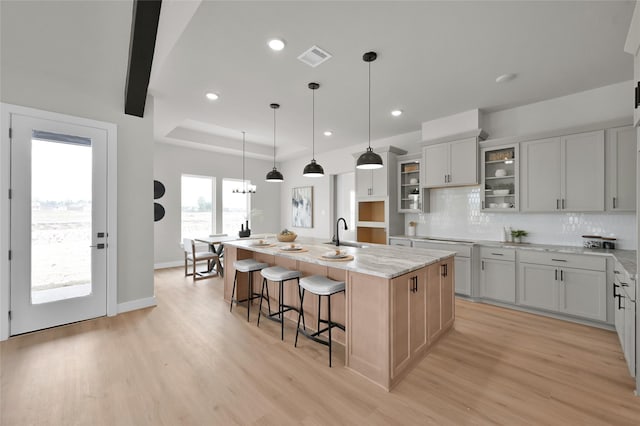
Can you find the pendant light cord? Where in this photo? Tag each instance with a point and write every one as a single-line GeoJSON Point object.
{"type": "Point", "coordinates": [313, 122]}
{"type": "Point", "coordinates": [369, 104]}
{"type": "Point", "coordinates": [274, 138]}
{"type": "Point", "coordinates": [244, 183]}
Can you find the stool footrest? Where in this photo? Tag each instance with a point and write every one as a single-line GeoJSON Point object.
{"type": "Point", "coordinates": [287, 308]}
{"type": "Point", "coordinates": [237, 301]}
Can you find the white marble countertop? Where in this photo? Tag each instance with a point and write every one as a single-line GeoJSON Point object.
{"type": "Point", "coordinates": [376, 259]}
{"type": "Point", "coordinates": [627, 258]}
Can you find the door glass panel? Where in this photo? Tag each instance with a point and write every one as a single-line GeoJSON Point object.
{"type": "Point", "coordinates": [61, 171]}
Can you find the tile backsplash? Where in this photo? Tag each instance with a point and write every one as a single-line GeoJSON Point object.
{"type": "Point", "coordinates": [455, 213]}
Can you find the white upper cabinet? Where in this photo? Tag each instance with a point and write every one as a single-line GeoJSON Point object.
{"type": "Point", "coordinates": [563, 174]}
{"type": "Point", "coordinates": [436, 161]}
{"type": "Point", "coordinates": [621, 169]}
{"type": "Point", "coordinates": [463, 162]}
{"type": "Point", "coordinates": [374, 182]}
{"type": "Point", "coordinates": [540, 175]}
{"type": "Point", "coordinates": [583, 175]}
{"type": "Point", "coordinates": [451, 163]}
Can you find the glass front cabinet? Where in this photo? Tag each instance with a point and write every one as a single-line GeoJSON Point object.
{"type": "Point", "coordinates": [500, 181]}
{"type": "Point", "coordinates": [410, 197]}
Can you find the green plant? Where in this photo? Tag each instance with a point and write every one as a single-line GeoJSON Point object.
{"type": "Point", "coordinates": [517, 233]}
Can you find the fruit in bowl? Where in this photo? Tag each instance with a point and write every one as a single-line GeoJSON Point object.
{"type": "Point", "coordinates": [286, 236]}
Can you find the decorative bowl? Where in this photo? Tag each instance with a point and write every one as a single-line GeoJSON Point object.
{"type": "Point", "coordinates": [413, 181]}
{"type": "Point", "coordinates": [287, 238]}
{"type": "Point", "coordinates": [500, 192]}
{"type": "Point", "coordinates": [501, 173]}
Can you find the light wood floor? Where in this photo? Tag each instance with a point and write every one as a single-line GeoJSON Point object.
{"type": "Point", "coordinates": [189, 361]}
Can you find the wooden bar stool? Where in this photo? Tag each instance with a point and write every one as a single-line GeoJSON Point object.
{"type": "Point", "coordinates": [320, 286]}
{"type": "Point", "coordinates": [249, 266]}
{"type": "Point", "coordinates": [280, 275]}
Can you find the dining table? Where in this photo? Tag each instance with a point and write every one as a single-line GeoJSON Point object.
{"type": "Point", "coordinates": [220, 239]}
{"type": "Point", "coordinates": [212, 241]}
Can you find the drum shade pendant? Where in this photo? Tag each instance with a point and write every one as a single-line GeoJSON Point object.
{"type": "Point", "coordinates": [246, 189]}
{"type": "Point", "coordinates": [274, 175]}
{"type": "Point", "coordinates": [313, 169]}
{"type": "Point", "coordinates": [369, 160]}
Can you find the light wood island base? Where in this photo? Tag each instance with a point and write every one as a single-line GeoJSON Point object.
{"type": "Point", "coordinates": [391, 324]}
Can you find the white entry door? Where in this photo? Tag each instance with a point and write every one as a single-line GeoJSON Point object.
{"type": "Point", "coordinates": [58, 223]}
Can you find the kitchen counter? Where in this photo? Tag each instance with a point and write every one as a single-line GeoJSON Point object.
{"type": "Point", "coordinates": [376, 259]}
{"type": "Point", "coordinates": [398, 301]}
{"type": "Point", "coordinates": [627, 258]}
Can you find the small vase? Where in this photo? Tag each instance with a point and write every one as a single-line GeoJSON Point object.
{"type": "Point", "coordinates": [517, 240]}
{"type": "Point", "coordinates": [411, 231]}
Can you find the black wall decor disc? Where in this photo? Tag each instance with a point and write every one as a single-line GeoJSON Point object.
{"type": "Point", "coordinates": [158, 212]}
{"type": "Point", "coordinates": [158, 189]}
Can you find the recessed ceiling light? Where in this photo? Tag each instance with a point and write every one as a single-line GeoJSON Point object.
{"type": "Point", "coordinates": [276, 44]}
{"type": "Point", "coordinates": [212, 96]}
{"type": "Point", "coordinates": [328, 133]}
{"type": "Point", "coordinates": [505, 77]}
{"type": "Point", "coordinates": [396, 112]}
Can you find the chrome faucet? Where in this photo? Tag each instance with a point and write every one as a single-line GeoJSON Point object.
{"type": "Point", "coordinates": [338, 229]}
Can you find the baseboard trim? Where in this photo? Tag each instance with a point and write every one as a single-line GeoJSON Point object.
{"type": "Point", "coordinates": [137, 304]}
{"type": "Point", "coordinates": [164, 265]}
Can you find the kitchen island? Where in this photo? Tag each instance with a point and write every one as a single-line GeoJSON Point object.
{"type": "Point", "coordinates": [398, 301]}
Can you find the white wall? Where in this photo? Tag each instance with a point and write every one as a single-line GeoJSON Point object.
{"type": "Point", "coordinates": [583, 108]}
{"type": "Point", "coordinates": [455, 212]}
{"type": "Point", "coordinates": [71, 58]}
{"type": "Point", "coordinates": [171, 161]}
{"type": "Point", "coordinates": [333, 162]}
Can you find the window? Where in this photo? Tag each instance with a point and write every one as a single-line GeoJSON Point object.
{"type": "Point", "coordinates": [236, 207]}
{"type": "Point", "coordinates": [198, 209]}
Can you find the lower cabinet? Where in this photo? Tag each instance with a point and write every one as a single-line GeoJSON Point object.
{"type": "Point", "coordinates": [624, 291]}
{"type": "Point", "coordinates": [583, 293]}
{"type": "Point", "coordinates": [422, 308]}
{"type": "Point", "coordinates": [498, 280]}
{"type": "Point", "coordinates": [463, 275]}
{"type": "Point", "coordinates": [630, 334]}
{"type": "Point", "coordinates": [537, 286]}
{"type": "Point", "coordinates": [572, 291]}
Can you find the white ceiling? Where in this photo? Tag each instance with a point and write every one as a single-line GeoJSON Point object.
{"type": "Point", "coordinates": [434, 59]}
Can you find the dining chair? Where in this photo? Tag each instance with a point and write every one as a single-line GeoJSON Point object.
{"type": "Point", "coordinates": [194, 256]}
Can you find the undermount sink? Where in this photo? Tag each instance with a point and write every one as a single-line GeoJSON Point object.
{"type": "Point", "coordinates": [348, 244]}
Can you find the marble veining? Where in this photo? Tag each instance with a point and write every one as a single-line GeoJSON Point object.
{"type": "Point", "coordinates": [376, 259]}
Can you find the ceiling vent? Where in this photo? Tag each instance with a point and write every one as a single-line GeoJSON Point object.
{"type": "Point", "coordinates": [314, 56]}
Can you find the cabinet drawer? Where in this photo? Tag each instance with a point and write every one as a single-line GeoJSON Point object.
{"type": "Point", "coordinates": [461, 250]}
{"type": "Point", "coordinates": [596, 263]}
{"type": "Point", "coordinates": [399, 242]}
{"type": "Point", "coordinates": [497, 253]}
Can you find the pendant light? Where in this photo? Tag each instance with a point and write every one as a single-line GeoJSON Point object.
{"type": "Point", "coordinates": [369, 159]}
{"type": "Point", "coordinates": [251, 189]}
{"type": "Point", "coordinates": [313, 169]}
{"type": "Point", "coordinates": [274, 175]}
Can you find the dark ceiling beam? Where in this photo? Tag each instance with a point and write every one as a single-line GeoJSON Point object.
{"type": "Point", "coordinates": [144, 28]}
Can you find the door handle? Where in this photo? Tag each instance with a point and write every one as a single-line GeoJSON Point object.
{"type": "Point", "coordinates": [558, 260]}
{"type": "Point", "coordinates": [561, 275]}
{"type": "Point", "coordinates": [498, 254]}
{"type": "Point", "coordinates": [99, 246]}
{"type": "Point", "coordinates": [563, 207]}
{"type": "Point", "coordinates": [614, 290]}
{"type": "Point", "coordinates": [556, 275]}
{"type": "Point", "coordinates": [482, 265]}
{"type": "Point", "coordinates": [557, 204]}
{"type": "Point", "coordinates": [614, 202]}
